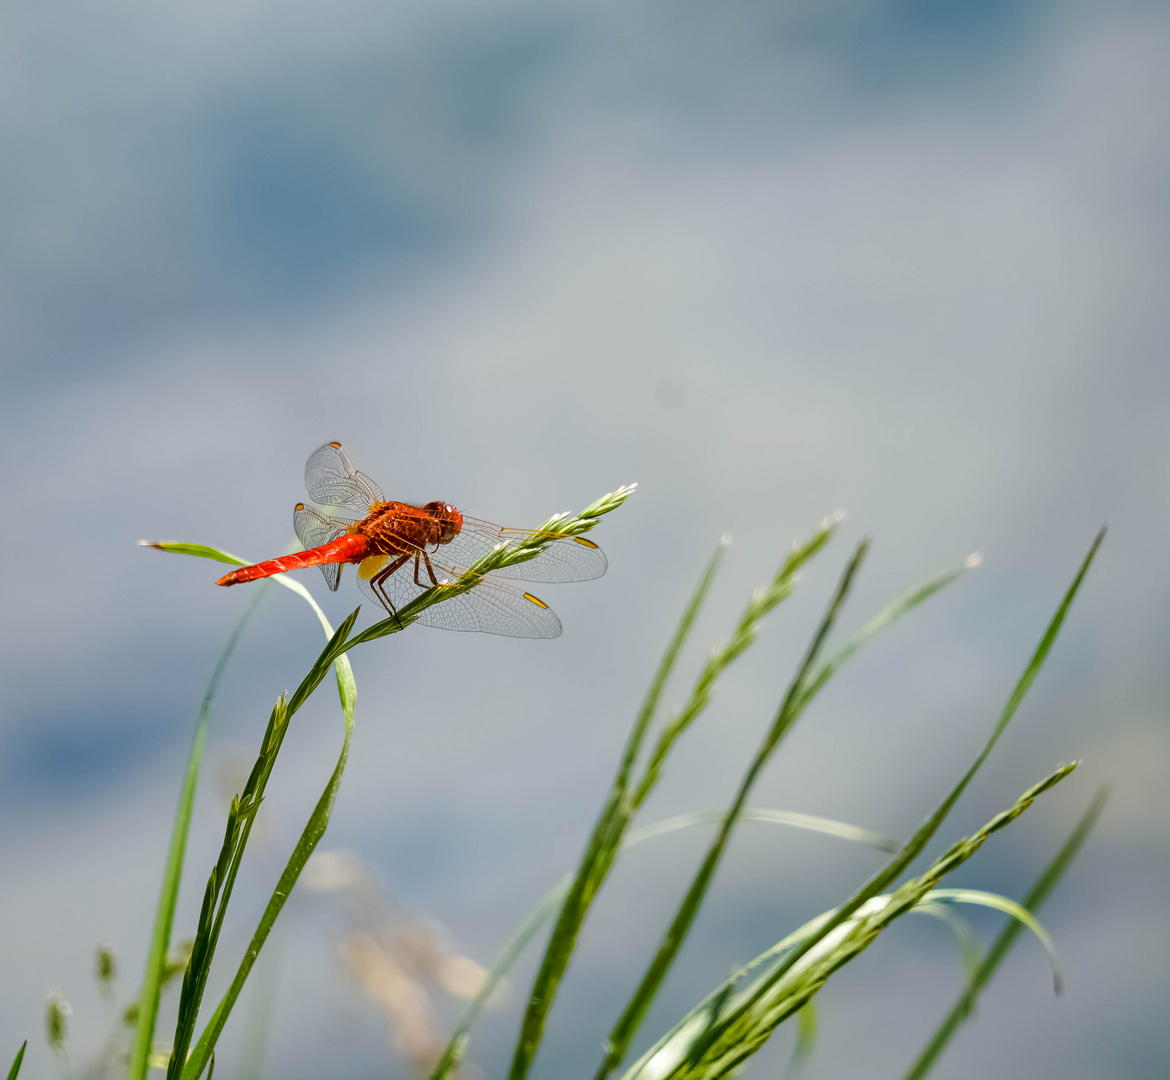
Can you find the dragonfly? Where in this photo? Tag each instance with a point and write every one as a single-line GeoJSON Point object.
{"type": "Point", "coordinates": [401, 550]}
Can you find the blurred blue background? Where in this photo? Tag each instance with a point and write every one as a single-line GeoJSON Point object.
{"type": "Point", "coordinates": [908, 258]}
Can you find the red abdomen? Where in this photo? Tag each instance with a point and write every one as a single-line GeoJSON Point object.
{"type": "Point", "coordinates": [350, 548]}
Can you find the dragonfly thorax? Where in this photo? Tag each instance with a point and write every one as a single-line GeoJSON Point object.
{"type": "Point", "coordinates": [391, 526]}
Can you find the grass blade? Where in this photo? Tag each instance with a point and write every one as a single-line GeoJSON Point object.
{"type": "Point", "coordinates": [1007, 938]}
{"type": "Point", "coordinates": [960, 928]}
{"type": "Point", "coordinates": [1009, 907]}
{"type": "Point", "coordinates": [602, 844]}
{"type": "Point", "coordinates": [310, 837]}
{"type": "Point", "coordinates": [15, 1070]}
{"type": "Point", "coordinates": [889, 614]}
{"type": "Point", "coordinates": [239, 828]}
{"type": "Point", "coordinates": [744, 635]}
{"type": "Point", "coordinates": [631, 1017]}
{"type": "Point", "coordinates": [828, 826]}
{"type": "Point", "coordinates": [160, 939]}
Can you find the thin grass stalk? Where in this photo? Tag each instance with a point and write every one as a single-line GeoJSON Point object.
{"type": "Point", "coordinates": [603, 842]}
{"type": "Point", "coordinates": [914, 846]}
{"type": "Point", "coordinates": [744, 635]}
{"type": "Point", "coordinates": [987, 966]}
{"type": "Point", "coordinates": [961, 931]}
{"type": "Point", "coordinates": [160, 939]}
{"type": "Point", "coordinates": [631, 1017]}
{"type": "Point", "coordinates": [888, 615]}
{"type": "Point", "coordinates": [310, 837]}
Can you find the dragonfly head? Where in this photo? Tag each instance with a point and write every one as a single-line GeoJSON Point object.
{"type": "Point", "coordinates": [447, 519]}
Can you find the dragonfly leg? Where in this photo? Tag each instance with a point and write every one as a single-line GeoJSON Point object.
{"type": "Point", "coordinates": [378, 583]}
{"type": "Point", "coordinates": [430, 569]}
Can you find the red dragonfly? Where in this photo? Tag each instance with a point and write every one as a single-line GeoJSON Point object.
{"type": "Point", "coordinates": [401, 550]}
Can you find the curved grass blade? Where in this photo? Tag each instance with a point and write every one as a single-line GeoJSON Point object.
{"type": "Point", "coordinates": [15, 1070]}
{"type": "Point", "coordinates": [964, 936]}
{"type": "Point", "coordinates": [1039, 892]}
{"type": "Point", "coordinates": [1009, 907]}
{"type": "Point", "coordinates": [828, 826]}
{"type": "Point", "coordinates": [156, 959]}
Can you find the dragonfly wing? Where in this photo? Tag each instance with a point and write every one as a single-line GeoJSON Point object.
{"type": "Point", "coordinates": [491, 607]}
{"type": "Point", "coordinates": [313, 530]}
{"type": "Point", "coordinates": [566, 558]}
{"type": "Point", "coordinates": [332, 479]}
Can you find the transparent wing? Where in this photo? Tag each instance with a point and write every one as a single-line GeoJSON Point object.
{"type": "Point", "coordinates": [491, 607]}
{"type": "Point", "coordinates": [332, 479]}
{"type": "Point", "coordinates": [313, 530]}
{"type": "Point", "coordinates": [567, 558]}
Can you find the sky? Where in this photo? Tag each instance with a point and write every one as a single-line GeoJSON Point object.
{"type": "Point", "coordinates": [902, 258]}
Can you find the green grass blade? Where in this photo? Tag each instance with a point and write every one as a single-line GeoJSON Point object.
{"type": "Point", "coordinates": [318, 821]}
{"type": "Point", "coordinates": [889, 614]}
{"type": "Point", "coordinates": [1039, 892]}
{"type": "Point", "coordinates": [602, 845]}
{"type": "Point", "coordinates": [914, 846]}
{"type": "Point", "coordinates": [744, 635]}
{"type": "Point", "coordinates": [1009, 907]}
{"type": "Point", "coordinates": [160, 939]}
{"type": "Point", "coordinates": [15, 1070]}
{"type": "Point", "coordinates": [310, 837]}
{"type": "Point", "coordinates": [201, 551]}
{"type": "Point", "coordinates": [666, 666]}
{"type": "Point", "coordinates": [631, 1017]}
{"type": "Point", "coordinates": [828, 826]}
{"type": "Point", "coordinates": [960, 928]}
{"type": "Point", "coordinates": [204, 551]}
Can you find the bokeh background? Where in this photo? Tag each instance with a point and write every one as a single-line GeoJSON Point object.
{"type": "Point", "coordinates": [768, 259]}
